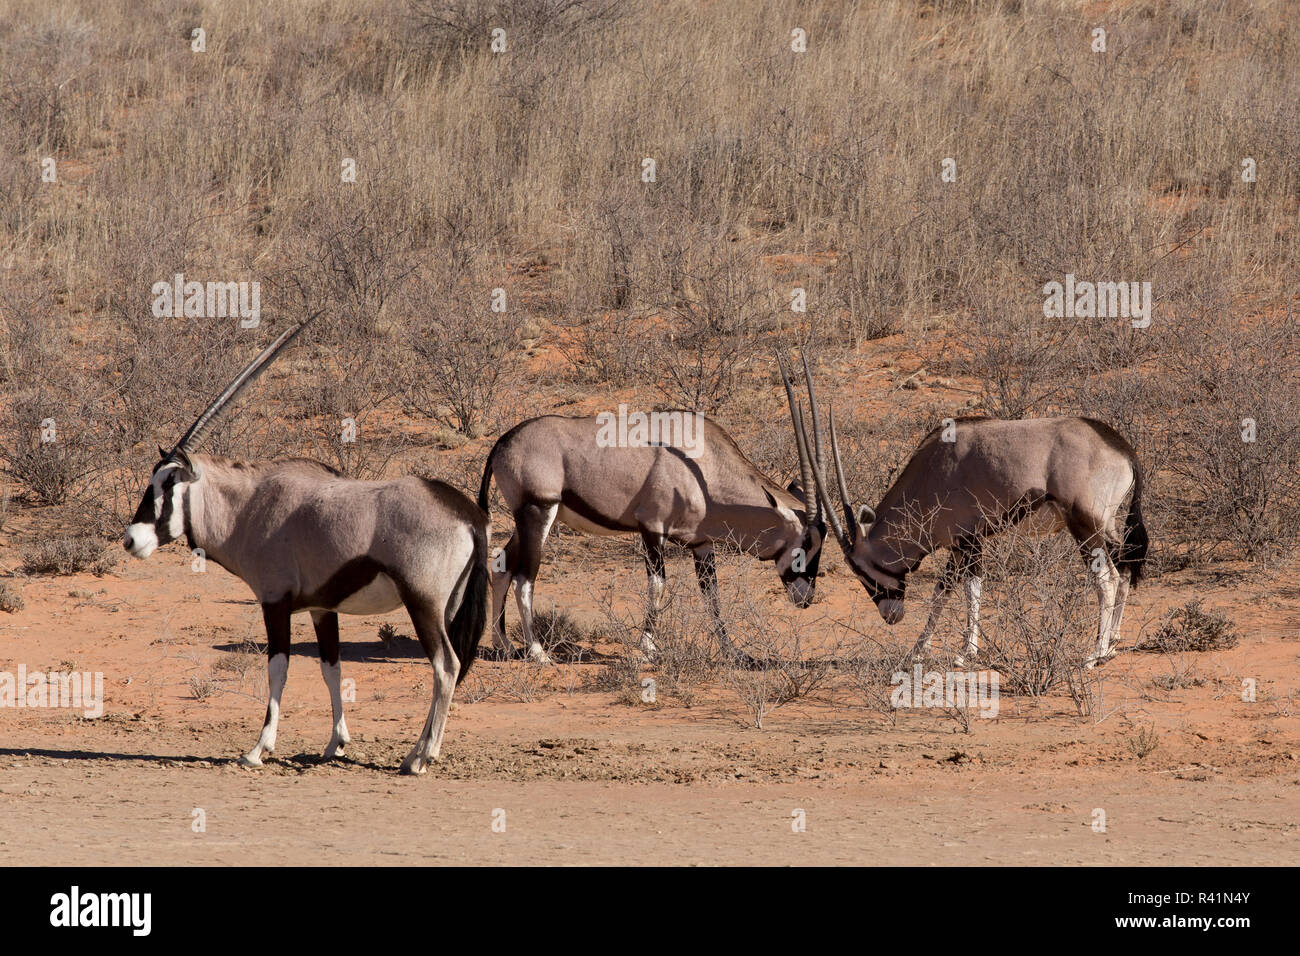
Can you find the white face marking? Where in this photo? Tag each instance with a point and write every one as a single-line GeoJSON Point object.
{"type": "Point", "coordinates": [176, 522]}
{"type": "Point", "coordinates": [144, 541]}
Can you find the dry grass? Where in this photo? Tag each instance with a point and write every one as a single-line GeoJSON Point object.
{"type": "Point", "coordinates": [773, 169]}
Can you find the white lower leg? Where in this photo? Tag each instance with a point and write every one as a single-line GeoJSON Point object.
{"type": "Point", "coordinates": [1106, 583]}
{"type": "Point", "coordinates": [524, 600]}
{"type": "Point", "coordinates": [429, 744]}
{"type": "Point", "coordinates": [277, 670]}
{"type": "Point", "coordinates": [974, 588]}
{"type": "Point", "coordinates": [648, 646]}
{"type": "Point", "coordinates": [1117, 615]}
{"type": "Point", "coordinates": [339, 737]}
{"type": "Point", "coordinates": [937, 604]}
{"type": "Point", "coordinates": [500, 588]}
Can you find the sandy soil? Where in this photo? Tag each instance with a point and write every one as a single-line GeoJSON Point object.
{"type": "Point", "coordinates": [585, 778]}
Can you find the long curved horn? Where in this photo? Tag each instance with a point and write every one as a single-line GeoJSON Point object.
{"type": "Point", "coordinates": [816, 417]}
{"type": "Point", "coordinates": [828, 509]}
{"type": "Point", "coordinates": [240, 382]}
{"type": "Point", "coordinates": [850, 512]}
{"type": "Point", "coordinates": [801, 444]}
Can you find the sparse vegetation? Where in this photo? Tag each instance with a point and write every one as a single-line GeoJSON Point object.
{"type": "Point", "coordinates": [11, 597]}
{"type": "Point", "coordinates": [63, 554]}
{"type": "Point", "coordinates": [1191, 628]}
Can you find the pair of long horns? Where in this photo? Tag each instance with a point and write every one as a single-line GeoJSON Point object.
{"type": "Point", "coordinates": [241, 381]}
{"type": "Point", "coordinates": [817, 499]}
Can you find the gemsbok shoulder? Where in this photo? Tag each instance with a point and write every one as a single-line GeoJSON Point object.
{"type": "Point", "coordinates": [981, 476]}
{"type": "Point", "coordinates": [304, 538]}
{"type": "Point", "coordinates": [689, 484]}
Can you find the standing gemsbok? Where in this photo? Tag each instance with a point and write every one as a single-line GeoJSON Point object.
{"type": "Point", "coordinates": [980, 476]}
{"type": "Point", "coordinates": [304, 538]}
{"type": "Point", "coordinates": [699, 492]}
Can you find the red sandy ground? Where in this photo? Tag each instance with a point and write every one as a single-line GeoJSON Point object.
{"type": "Point", "coordinates": [585, 778]}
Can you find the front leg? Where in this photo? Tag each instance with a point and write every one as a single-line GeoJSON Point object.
{"type": "Point", "coordinates": [706, 570]}
{"type": "Point", "coordinates": [327, 639]}
{"type": "Point", "coordinates": [947, 581]}
{"type": "Point", "coordinates": [276, 617]}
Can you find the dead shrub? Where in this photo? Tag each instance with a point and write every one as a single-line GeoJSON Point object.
{"type": "Point", "coordinates": [1191, 628]}
{"type": "Point", "coordinates": [11, 597]}
{"type": "Point", "coordinates": [60, 554]}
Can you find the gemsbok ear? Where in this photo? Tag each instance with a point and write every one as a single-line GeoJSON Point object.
{"type": "Point", "coordinates": [865, 516]}
{"type": "Point", "coordinates": [162, 452]}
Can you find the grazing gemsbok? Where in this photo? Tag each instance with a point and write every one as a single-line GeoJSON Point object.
{"type": "Point", "coordinates": [981, 476]}
{"type": "Point", "coordinates": [304, 538]}
{"type": "Point", "coordinates": [701, 497]}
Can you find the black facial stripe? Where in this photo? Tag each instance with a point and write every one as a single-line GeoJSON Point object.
{"type": "Point", "coordinates": [144, 513]}
{"type": "Point", "coordinates": [165, 516]}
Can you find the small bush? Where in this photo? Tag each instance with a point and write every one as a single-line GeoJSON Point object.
{"type": "Point", "coordinates": [11, 598]}
{"type": "Point", "coordinates": [1191, 628]}
{"type": "Point", "coordinates": [559, 633]}
{"type": "Point", "coordinates": [66, 555]}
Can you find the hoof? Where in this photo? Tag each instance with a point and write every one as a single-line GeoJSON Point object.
{"type": "Point", "coordinates": [412, 768]}
{"type": "Point", "coordinates": [1094, 662]}
{"type": "Point", "coordinates": [248, 760]}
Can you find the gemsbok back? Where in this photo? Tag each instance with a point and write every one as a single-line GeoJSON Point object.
{"type": "Point", "coordinates": [696, 489]}
{"type": "Point", "coordinates": [305, 538]}
{"type": "Point", "coordinates": [981, 476]}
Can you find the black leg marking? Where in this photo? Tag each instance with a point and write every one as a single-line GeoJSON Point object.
{"type": "Point", "coordinates": [277, 617]}
{"type": "Point", "coordinates": [327, 637]}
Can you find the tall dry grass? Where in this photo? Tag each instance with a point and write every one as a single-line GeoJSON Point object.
{"type": "Point", "coordinates": [773, 168]}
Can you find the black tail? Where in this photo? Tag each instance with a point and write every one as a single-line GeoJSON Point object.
{"type": "Point", "coordinates": [1133, 552]}
{"type": "Point", "coordinates": [466, 625]}
{"type": "Point", "coordinates": [485, 486]}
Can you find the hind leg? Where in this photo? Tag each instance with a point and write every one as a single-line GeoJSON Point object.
{"type": "Point", "coordinates": [971, 571]}
{"type": "Point", "coordinates": [502, 577]}
{"type": "Point", "coordinates": [654, 569]}
{"type": "Point", "coordinates": [327, 638]}
{"type": "Point", "coordinates": [1105, 581]}
{"type": "Point", "coordinates": [1117, 615]}
{"type": "Point", "coordinates": [1090, 534]}
{"type": "Point", "coordinates": [430, 629]}
{"type": "Point", "coordinates": [532, 525]}
{"type": "Point", "coordinates": [276, 617]}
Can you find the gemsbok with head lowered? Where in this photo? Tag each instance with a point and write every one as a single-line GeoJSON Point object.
{"type": "Point", "coordinates": [979, 476]}
{"type": "Point", "coordinates": [678, 477]}
{"type": "Point", "coordinates": [305, 538]}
